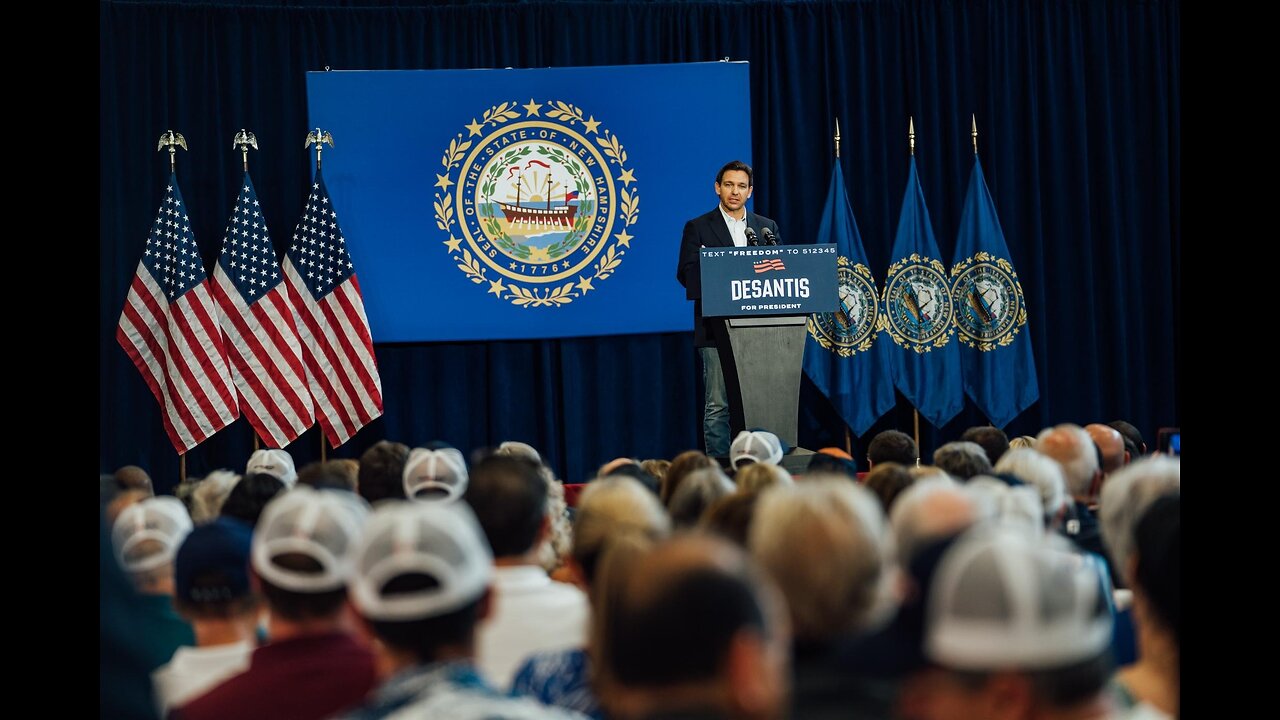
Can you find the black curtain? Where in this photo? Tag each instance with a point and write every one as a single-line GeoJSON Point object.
{"type": "Point", "coordinates": [1078, 112]}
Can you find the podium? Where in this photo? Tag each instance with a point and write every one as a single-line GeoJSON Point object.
{"type": "Point", "coordinates": [764, 296]}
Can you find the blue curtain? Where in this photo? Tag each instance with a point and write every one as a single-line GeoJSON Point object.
{"type": "Point", "coordinates": [1078, 112]}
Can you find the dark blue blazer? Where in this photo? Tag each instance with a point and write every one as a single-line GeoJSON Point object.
{"type": "Point", "coordinates": [708, 231]}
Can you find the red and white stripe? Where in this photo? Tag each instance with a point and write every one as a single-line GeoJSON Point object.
{"type": "Point", "coordinates": [338, 354]}
{"type": "Point", "coordinates": [265, 357]}
{"type": "Point", "coordinates": [178, 348]}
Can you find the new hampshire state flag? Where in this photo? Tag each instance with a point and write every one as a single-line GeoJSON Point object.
{"type": "Point", "coordinates": [991, 312]}
{"type": "Point", "coordinates": [842, 356]}
{"type": "Point", "coordinates": [919, 315]}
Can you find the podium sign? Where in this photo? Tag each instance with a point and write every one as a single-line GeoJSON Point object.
{"type": "Point", "coordinates": [768, 280]}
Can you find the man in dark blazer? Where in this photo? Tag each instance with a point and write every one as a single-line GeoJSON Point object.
{"type": "Point", "coordinates": [725, 226]}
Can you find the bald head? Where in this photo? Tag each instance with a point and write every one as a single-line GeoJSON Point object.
{"type": "Point", "coordinates": [132, 477]}
{"type": "Point", "coordinates": [1072, 447]}
{"type": "Point", "coordinates": [1110, 442]}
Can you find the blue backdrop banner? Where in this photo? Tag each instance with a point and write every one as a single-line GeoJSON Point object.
{"type": "Point", "coordinates": [505, 204]}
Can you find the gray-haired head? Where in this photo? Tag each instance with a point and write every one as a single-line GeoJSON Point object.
{"type": "Point", "coordinates": [1014, 506]}
{"type": "Point", "coordinates": [825, 544]}
{"type": "Point", "coordinates": [1126, 496]}
{"type": "Point", "coordinates": [1042, 473]}
{"type": "Point", "coordinates": [931, 509]}
{"type": "Point", "coordinates": [696, 493]}
{"type": "Point", "coordinates": [962, 459]}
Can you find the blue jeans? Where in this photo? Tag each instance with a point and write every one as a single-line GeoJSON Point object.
{"type": "Point", "coordinates": [715, 409]}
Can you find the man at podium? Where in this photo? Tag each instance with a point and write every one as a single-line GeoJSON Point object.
{"type": "Point", "coordinates": [728, 225]}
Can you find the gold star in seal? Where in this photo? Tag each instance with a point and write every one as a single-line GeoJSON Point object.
{"type": "Point", "coordinates": [453, 243]}
{"type": "Point", "coordinates": [474, 127]}
{"type": "Point", "coordinates": [496, 287]}
{"type": "Point", "coordinates": [624, 238]}
{"type": "Point", "coordinates": [590, 124]}
{"type": "Point", "coordinates": [539, 254]}
{"type": "Point", "coordinates": [584, 284]}
{"type": "Point", "coordinates": [627, 177]}
{"type": "Point", "coordinates": [532, 108]}
{"type": "Point", "coordinates": [443, 181]}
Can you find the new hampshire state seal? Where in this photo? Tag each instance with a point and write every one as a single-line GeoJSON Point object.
{"type": "Point", "coordinates": [989, 305]}
{"type": "Point", "coordinates": [850, 329]}
{"type": "Point", "coordinates": [537, 201]}
{"type": "Point", "coordinates": [918, 311]}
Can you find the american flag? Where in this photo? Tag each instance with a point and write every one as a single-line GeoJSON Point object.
{"type": "Point", "coordinates": [337, 346]}
{"type": "Point", "coordinates": [169, 328]}
{"type": "Point", "coordinates": [767, 265]}
{"type": "Point", "coordinates": [262, 336]}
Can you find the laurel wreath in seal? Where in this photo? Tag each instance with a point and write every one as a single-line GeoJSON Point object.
{"type": "Point", "coordinates": [1019, 322]}
{"type": "Point", "coordinates": [610, 258]}
{"type": "Point", "coordinates": [886, 326]}
{"type": "Point", "coordinates": [850, 349]}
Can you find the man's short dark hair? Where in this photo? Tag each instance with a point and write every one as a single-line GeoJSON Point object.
{"type": "Point", "coordinates": [736, 165]}
{"type": "Point", "coordinates": [423, 638]}
{"type": "Point", "coordinates": [681, 632]}
{"type": "Point", "coordinates": [1131, 435]}
{"type": "Point", "coordinates": [893, 446]}
{"type": "Point", "coordinates": [509, 497]}
{"type": "Point", "coordinates": [249, 496]}
{"type": "Point", "coordinates": [382, 471]}
{"type": "Point", "coordinates": [297, 606]}
{"type": "Point", "coordinates": [992, 439]}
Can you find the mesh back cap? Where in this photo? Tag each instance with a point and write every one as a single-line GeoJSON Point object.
{"type": "Point", "coordinates": [758, 445]}
{"type": "Point", "coordinates": [440, 540]}
{"type": "Point", "coordinates": [162, 518]}
{"type": "Point", "coordinates": [324, 525]}
{"type": "Point", "coordinates": [1001, 600]}
{"type": "Point", "coordinates": [273, 462]}
{"type": "Point", "coordinates": [440, 475]}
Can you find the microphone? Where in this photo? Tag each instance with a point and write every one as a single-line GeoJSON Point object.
{"type": "Point", "coordinates": [769, 237]}
{"type": "Point", "coordinates": [751, 237]}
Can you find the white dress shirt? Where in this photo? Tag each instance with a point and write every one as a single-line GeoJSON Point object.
{"type": "Point", "coordinates": [529, 613]}
{"type": "Point", "coordinates": [737, 228]}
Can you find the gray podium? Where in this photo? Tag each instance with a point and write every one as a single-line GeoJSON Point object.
{"type": "Point", "coordinates": [765, 295]}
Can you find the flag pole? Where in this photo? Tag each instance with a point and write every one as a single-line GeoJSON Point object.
{"type": "Point", "coordinates": [910, 139]}
{"type": "Point", "coordinates": [848, 435]}
{"type": "Point", "coordinates": [974, 133]}
{"type": "Point", "coordinates": [242, 141]}
{"type": "Point", "coordinates": [173, 141]}
{"type": "Point", "coordinates": [319, 138]}
{"type": "Point", "coordinates": [917, 416]}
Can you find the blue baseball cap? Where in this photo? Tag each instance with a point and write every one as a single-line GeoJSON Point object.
{"type": "Point", "coordinates": [212, 564]}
